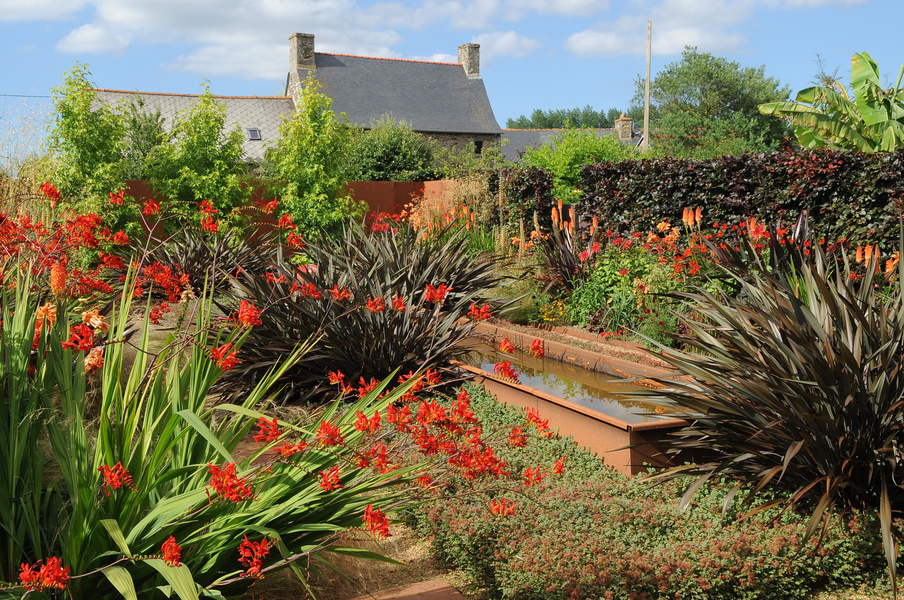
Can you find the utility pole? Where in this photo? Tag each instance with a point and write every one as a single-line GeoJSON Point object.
{"type": "Point", "coordinates": [645, 144]}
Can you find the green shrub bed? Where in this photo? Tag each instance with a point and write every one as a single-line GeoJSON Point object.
{"type": "Point", "coordinates": [591, 533]}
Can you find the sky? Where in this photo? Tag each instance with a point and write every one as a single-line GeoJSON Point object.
{"type": "Point", "coordinates": [546, 54]}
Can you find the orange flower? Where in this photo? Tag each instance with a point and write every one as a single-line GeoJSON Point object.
{"type": "Point", "coordinates": [171, 552]}
{"type": "Point", "coordinates": [252, 554]}
{"type": "Point", "coordinates": [329, 435]}
{"type": "Point", "coordinates": [225, 359]}
{"type": "Point", "coordinates": [115, 478]}
{"type": "Point", "coordinates": [50, 575]}
{"type": "Point", "coordinates": [58, 279]}
{"type": "Point", "coordinates": [269, 430]}
{"type": "Point", "coordinates": [398, 304]}
{"type": "Point", "coordinates": [501, 507]}
{"type": "Point", "coordinates": [95, 320]}
{"type": "Point", "coordinates": [536, 348]}
{"type": "Point", "coordinates": [506, 346]}
{"type": "Point", "coordinates": [339, 295]}
{"type": "Point", "coordinates": [94, 361]}
{"type": "Point", "coordinates": [151, 207]}
{"type": "Point", "coordinates": [227, 485]}
{"type": "Point", "coordinates": [330, 479]}
{"type": "Point", "coordinates": [698, 216]}
{"type": "Point", "coordinates": [376, 522]}
{"type": "Point", "coordinates": [376, 305]}
{"type": "Point", "coordinates": [437, 294]}
{"type": "Point", "coordinates": [248, 315]}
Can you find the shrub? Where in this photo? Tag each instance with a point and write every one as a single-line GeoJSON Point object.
{"type": "Point", "coordinates": [391, 151]}
{"type": "Point", "coordinates": [369, 295]}
{"type": "Point", "coordinates": [565, 154]}
{"type": "Point", "coordinates": [307, 164]}
{"type": "Point", "coordinates": [528, 194]}
{"type": "Point", "coordinates": [797, 387]}
{"type": "Point", "coordinates": [591, 533]}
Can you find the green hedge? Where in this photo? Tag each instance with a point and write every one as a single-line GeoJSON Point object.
{"type": "Point", "coordinates": [848, 195]}
{"type": "Point", "coordinates": [591, 533]}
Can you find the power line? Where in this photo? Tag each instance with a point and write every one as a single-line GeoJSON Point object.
{"type": "Point", "coordinates": [24, 96]}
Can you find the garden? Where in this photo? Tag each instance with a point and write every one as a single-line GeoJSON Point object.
{"type": "Point", "coordinates": [247, 377]}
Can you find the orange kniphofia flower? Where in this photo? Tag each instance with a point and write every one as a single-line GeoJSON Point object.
{"type": "Point", "coordinates": [58, 279]}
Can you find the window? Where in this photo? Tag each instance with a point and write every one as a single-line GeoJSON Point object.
{"type": "Point", "coordinates": [478, 146]}
{"type": "Point", "coordinates": [254, 135]}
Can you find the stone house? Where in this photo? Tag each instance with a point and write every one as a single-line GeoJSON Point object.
{"type": "Point", "coordinates": [517, 140]}
{"type": "Point", "coordinates": [446, 101]}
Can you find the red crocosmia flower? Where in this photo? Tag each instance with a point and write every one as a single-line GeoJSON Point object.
{"type": "Point", "coordinates": [365, 388]}
{"type": "Point", "coordinates": [623, 272]}
{"type": "Point", "coordinates": [424, 481]}
{"type": "Point", "coordinates": [517, 438]}
{"type": "Point", "coordinates": [339, 295]}
{"type": "Point", "coordinates": [171, 552]}
{"type": "Point", "coordinates": [207, 208]}
{"type": "Point", "coordinates": [398, 304]}
{"type": "Point", "coordinates": [115, 478]}
{"type": "Point", "coordinates": [252, 555]}
{"type": "Point", "coordinates": [480, 315]}
{"type": "Point", "coordinates": [505, 370]}
{"type": "Point", "coordinates": [309, 290]}
{"type": "Point", "coordinates": [506, 346]}
{"type": "Point", "coordinates": [50, 575]}
{"type": "Point", "coordinates": [336, 377]}
{"type": "Point", "coordinates": [376, 522]}
{"type": "Point", "coordinates": [432, 376]}
{"type": "Point", "coordinates": [584, 256]}
{"type": "Point", "coordinates": [330, 479]}
{"type": "Point", "coordinates": [376, 304]}
{"type": "Point", "coordinates": [49, 191]}
{"type": "Point", "coordinates": [294, 240]}
{"type": "Point", "coordinates": [225, 359]}
{"type": "Point", "coordinates": [209, 225]}
{"type": "Point", "coordinates": [117, 198]}
{"type": "Point", "coordinates": [329, 435]}
{"type": "Point", "coordinates": [227, 485]}
{"type": "Point", "coordinates": [536, 348]}
{"type": "Point", "coordinates": [110, 261]}
{"type": "Point", "coordinates": [559, 466]}
{"type": "Point", "coordinates": [249, 315]}
{"type": "Point", "coordinates": [288, 450]}
{"type": "Point", "coordinates": [81, 338]}
{"type": "Point", "coordinates": [151, 207]}
{"type": "Point", "coordinates": [120, 238]}
{"type": "Point", "coordinates": [269, 430]}
{"type": "Point", "coordinates": [285, 222]}
{"type": "Point", "coordinates": [501, 508]}
{"type": "Point", "coordinates": [533, 476]}
{"type": "Point", "coordinates": [362, 423]}
{"type": "Point", "coordinates": [267, 207]}
{"type": "Point", "coordinates": [437, 295]}
{"type": "Point", "coordinates": [400, 417]}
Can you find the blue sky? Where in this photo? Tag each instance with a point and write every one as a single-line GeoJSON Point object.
{"type": "Point", "coordinates": [534, 53]}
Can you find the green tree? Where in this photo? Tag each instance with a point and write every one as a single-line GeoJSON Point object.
{"type": "Point", "coordinates": [586, 118]}
{"type": "Point", "coordinates": [202, 162]}
{"type": "Point", "coordinates": [144, 133]}
{"type": "Point", "coordinates": [705, 106]}
{"type": "Point", "coordinates": [308, 163]}
{"type": "Point", "coordinates": [568, 151]}
{"type": "Point", "coordinates": [88, 138]}
{"type": "Point", "coordinates": [826, 115]}
{"type": "Point", "coordinates": [392, 151]}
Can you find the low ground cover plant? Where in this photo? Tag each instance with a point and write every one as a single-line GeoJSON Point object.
{"type": "Point", "coordinates": [585, 531]}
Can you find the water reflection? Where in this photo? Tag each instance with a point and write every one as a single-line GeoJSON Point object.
{"type": "Point", "coordinates": [593, 390]}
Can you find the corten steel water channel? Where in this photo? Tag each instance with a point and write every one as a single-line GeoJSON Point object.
{"type": "Point", "coordinates": [629, 447]}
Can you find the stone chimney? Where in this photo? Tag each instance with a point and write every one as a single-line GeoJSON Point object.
{"type": "Point", "coordinates": [469, 57]}
{"type": "Point", "coordinates": [301, 51]}
{"type": "Point", "coordinates": [624, 128]}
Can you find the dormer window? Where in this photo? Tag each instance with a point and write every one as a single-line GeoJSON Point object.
{"type": "Point", "coordinates": [254, 135]}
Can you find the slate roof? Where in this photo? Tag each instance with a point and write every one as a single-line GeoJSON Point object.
{"type": "Point", "coordinates": [519, 139]}
{"type": "Point", "coordinates": [432, 97]}
{"type": "Point", "coordinates": [262, 113]}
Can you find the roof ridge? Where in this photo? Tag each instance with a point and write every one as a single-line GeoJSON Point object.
{"type": "Point", "coordinates": [429, 62]}
{"type": "Point", "coordinates": [193, 95]}
{"type": "Point", "coordinates": [558, 128]}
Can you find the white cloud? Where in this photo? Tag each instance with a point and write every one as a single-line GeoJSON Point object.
{"type": "Point", "coordinates": [705, 24]}
{"type": "Point", "coordinates": [519, 9]}
{"type": "Point", "coordinates": [455, 14]}
{"type": "Point", "coordinates": [38, 10]}
{"type": "Point", "coordinates": [94, 39]}
{"type": "Point", "coordinates": [505, 43]}
{"type": "Point", "coordinates": [439, 57]}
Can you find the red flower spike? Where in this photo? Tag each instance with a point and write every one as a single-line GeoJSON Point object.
{"type": "Point", "coordinates": [437, 295]}
{"type": "Point", "coordinates": [330, 479]}
{"type": "Point", "coordinates": [117, 198]}
{"type": "Point", "coordinates": [398, 304]}
{"type": "Point", "coordinates": [329, 435]}
{"type": "Point", "coordinates": [225, 359]}
{"type": "Point", "coordinates": [480, 315]}
{"type": "Point", "coordinates": [269, 430]}
{"type": "Point", "coordinates": [227, 485]}
{"type": "Point", "coordinates": [267, 207]}
{"type": "Point", "coordinates": [249, 315]}
{"type": "Point", "coordinates": [285, 222]}
{"type": "Point", "coordinates": [252, 554]}
{"type": "Point", "coordinates": [376, 304]}
{"type": "Point", "coordinates": [288, 450]}
{"type": "Point", "coordinates": [339, 295]}
{"type": "Point", "coordinates": [505, 370]}
{"type": "Point", "coordinates": [50, 575]}
{"type": "Point", "coordinates": [336, 377]}
{"type": "Point", "coordinates": [517, 438]}
{"type": "Point", "coordinates": [171, 552]}
{"type": "Point", "coordinates": [151, 207]}
{"type": "Point", "coordinates": [501, 507]}
{"type": "Point", "coordinates": [559, 466]}
{"type": "Point", "coordinates": [506, 346]}
{"type": "Point", "coordinates": [536, 348]}
{"type": "Point", "coordinates": [81, 338]}
{"type": "Point", "coordinates": [115, 478]}
{"type": "Point", "coordinates": [533, 476]}
{"type": "Point", "coordinates": [376, 522]}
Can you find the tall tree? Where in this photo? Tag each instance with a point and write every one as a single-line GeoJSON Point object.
{"type": "Point", "coordinates": [705, 105]}
{"type": "Point", "coordinates": [577, 118]}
